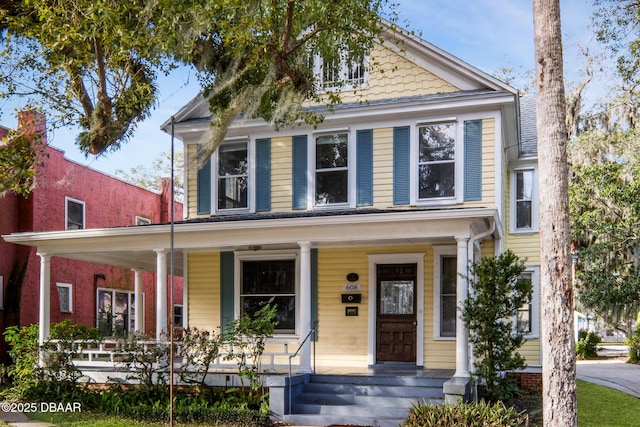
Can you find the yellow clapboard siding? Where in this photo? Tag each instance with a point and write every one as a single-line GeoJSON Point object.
{"type": "Point", "coordinates": [530, 350]}
{"type": "Point", "coordinates": [204, 290]}
{"type": "Point", "coordinates": [526, 246]}
{"type": "Point", "coordinates": [281, 173]}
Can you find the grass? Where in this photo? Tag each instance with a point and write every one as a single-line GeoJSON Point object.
{"type": "Point", "coordinates": [598, 406]}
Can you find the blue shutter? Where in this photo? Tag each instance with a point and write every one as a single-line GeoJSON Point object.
{"type": "Point", "coordinates": [473, 160]}
{"type": "Point", "coordinates": [203, 187]}
{"type": "Point", "coordinates": [263, 175]}
{"type": "Point", "coordinates": [364, 168]}
{"type": "Point", "coordinates": [227, 284]}
{"type": "Point", "coordinates": [300, 172]}
{"type": "Point", "coordinates": [401, 165]}
{"type": "Point", "coordinates": [314, 290]}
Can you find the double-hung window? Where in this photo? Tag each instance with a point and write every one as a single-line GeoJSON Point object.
{"type": "Point", "coordinates": [527, 319]}
{"type": "Point", "coordinates": [436, 161]}
{"type": "Point", "coordinates": [524, 205]}
{"type": "Point", "coordinates": [331, 169]}
{"type": "Point", "coordinates": [232, 176]}
{"type": "Point", "coordinates": [65, 297]}
{"type": "Point", "coordinates": [445, 292]}
{"type": "Point", "coordinates": [265, 280]}
{"type": "Point", "coordinates": [74, 214]}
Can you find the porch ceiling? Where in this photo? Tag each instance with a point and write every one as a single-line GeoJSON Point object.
{"type": "Point", "coordinates": [136, 247]}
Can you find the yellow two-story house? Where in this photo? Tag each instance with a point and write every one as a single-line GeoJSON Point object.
{"type": "Point", "coordinates": [360, 229]}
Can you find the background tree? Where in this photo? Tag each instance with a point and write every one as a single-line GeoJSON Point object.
{"type": "Point", "coordinates": [558, 348]}
{"type": "Point", "coordinates": [498, 293]}
{"type": "Point", "coordinates": [605, 219]}
{"type": "Point", "coordinates": [150, 176]}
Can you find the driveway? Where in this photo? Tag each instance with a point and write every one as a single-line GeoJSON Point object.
{"type": "Point", "coordinates": [612, 373]}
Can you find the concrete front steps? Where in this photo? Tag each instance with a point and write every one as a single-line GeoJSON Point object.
{"type": "Point", "coordinates": [361, 400]}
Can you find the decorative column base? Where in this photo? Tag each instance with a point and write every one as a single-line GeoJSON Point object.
{"type": "Point", "coordinates": [457, 389]}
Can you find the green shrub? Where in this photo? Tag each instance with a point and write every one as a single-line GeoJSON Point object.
{"type": "Point", "coordinates": [480, 414]}
{"type": "Point", "coordinates": [634, 347]}
{"type": "Point", "coordinates": [498, 291]}
{"type": "Point", "coordinates": [587, 345]}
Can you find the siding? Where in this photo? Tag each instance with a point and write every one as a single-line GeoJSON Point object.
{"type": "Point", "coordinates": [204, 290]}
{"type": "Point", "coordinates": [530, 350]}
{"type": "Point", "coordinates": [191, 197]}
{"type": "Point", "coordinates": [488, 165]}
{"type": "Point", "coordinates": [383, 167]}
{"type": "Point", "coordinates": [281, 190]}
{"type": "Point", "coordinates": [397, 76]}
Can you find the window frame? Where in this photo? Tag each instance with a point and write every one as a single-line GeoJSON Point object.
{"type": "Point", "coordinates": [68, 286]}
{"type": "Point", "coordinates": [414, 147]}
{"type": "Point", "coordinates": [1, 292]}
{"type": "Point", "coordinates": [68, 200]}
{"type": "Point", "coordinates": [343, 70]}
{"type": "Point", "coordinates": [250, 176]}
{"type": "Point", "coordinates": [181, 315]}
{"type": "Point", "coordinates": [439, 253]}
{"type": "Point", "coordinates": [534, 313]}
{"type": "Point", "coordinates": [514, 201]}
{"type": "Point", "coordinates": [313, 170]}
{"type": "Point", "coordinates": [276, 255]}
{"type": "Point", "coordinates": [141, 220]}
{"type": "Point", "coordinates": [130, 309]}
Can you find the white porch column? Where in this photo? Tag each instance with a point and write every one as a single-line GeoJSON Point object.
{"type": "Point", "coordinates": [462, 290]}
{"type": "Point", "coordinates": [161, 291]}
{"type": "Point", "coordinates": [44, 315]}
{"type": "Point", "coordinates": [305, 305]}
{"type": "Point", "coordinates": [138, 320]}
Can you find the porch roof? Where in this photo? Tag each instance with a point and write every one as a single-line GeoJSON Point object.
{"type": "Point", "coordinates": [136, 246]}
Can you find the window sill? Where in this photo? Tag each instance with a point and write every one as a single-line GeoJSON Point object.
{"type": "Point", "coordinates": [444, 338]}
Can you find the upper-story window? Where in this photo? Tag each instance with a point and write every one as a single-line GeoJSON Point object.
{"type": "Point", "coordinates": [524, 196]}
{"type": "Point", "coordinates": [332, 171]}
{"type": "Point", "coordinates": [339, 73]}
{"type": "Point", "coordinates": [436, 161]}
{"type": "Point", "coordinates": [74, 214]}
{"type": "Point", "coordinates": [232, 176]}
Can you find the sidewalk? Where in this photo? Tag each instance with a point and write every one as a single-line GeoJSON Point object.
{"type": "Point", "coordinates": [18, 419]}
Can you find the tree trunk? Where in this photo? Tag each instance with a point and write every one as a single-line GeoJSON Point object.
{"type": "Point", "coordinates": [558, 347]}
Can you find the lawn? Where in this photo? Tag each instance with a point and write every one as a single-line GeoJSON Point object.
{"type": "Point", "coordinates": [598, 406]}
{"type": "Point", "coordinates": [604, 407]}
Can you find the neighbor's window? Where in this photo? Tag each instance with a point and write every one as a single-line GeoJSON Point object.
{"type": "Point", "coordinates": [140, 220]}
{"type": "Point", "coordinates": [116, 311]}
{"type": "Point", "coordinates": [332, 173]}
{"type": "Point", "coordinates": [177, 315]}
{"type": "Point", "coordinates": [74, 214]}
{"type": "Point", "coordinates": [232, 176]}
{"type": "Point", "coordinates": [263, 280]}
{"type": "Point", "coordinates": [64, 295]}
{"type": "Point", "coordinates": [436, 160]}
{"type": "Point", "coordinates": [524, 198]}
{"type": "Point", "coordinates": [448, 298]}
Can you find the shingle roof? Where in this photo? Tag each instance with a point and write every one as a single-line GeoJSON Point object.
{"type": "Point", "coordinates": [528, 133]}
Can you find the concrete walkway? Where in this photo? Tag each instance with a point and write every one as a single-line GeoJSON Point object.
{"type": "Point", "coordinates": [18, 419]}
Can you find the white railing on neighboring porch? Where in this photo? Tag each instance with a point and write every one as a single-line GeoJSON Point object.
{"type": "Point", "coordinates": [109, 353]}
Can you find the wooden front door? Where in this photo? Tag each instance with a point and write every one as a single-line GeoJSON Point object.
{"type": "Point", "coordinates": [396, 313]}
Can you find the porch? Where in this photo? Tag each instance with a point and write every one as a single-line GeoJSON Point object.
{"type": "Point", "coordinates": [379, 395]}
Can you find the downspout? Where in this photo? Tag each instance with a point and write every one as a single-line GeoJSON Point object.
{"type": "Point", "coordinates": [470, 256]}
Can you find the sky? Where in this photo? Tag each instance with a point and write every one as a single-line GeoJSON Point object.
{"type": "Point", "coordinates": [488, 34]}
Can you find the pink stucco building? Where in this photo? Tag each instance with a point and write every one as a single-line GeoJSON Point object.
{"type": "Point", "coordinates": [71, 196]}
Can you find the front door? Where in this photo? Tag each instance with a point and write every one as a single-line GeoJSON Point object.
{"type": "Point", "coordinates": [396, 313]}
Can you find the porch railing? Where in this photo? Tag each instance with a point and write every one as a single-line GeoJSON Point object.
{"type": "Point", "coordinates": [109, 352]}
